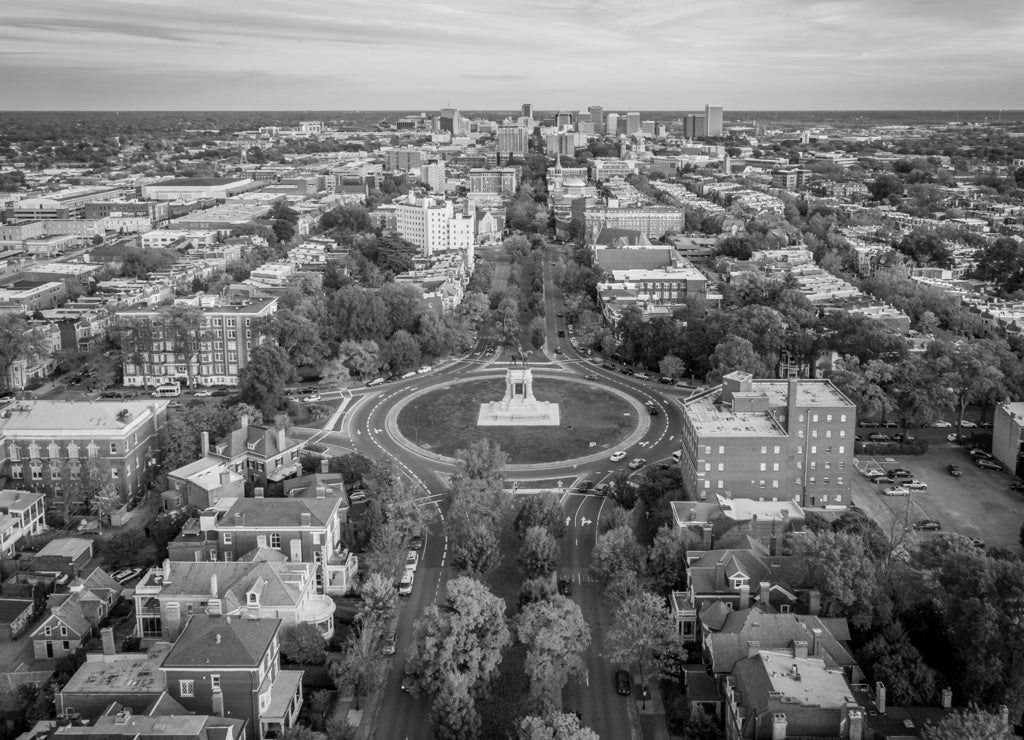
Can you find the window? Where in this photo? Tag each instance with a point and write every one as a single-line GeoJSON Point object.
{"type": "Point", "coordinates": [760, 484]}
{"type": "Point", "coordinates": [839, 480]}
{"type": "Point", "coordinates": [213, 553]}
{"type": "Point", "coordinates": [842, 417]}
{"type": "Point", "coordinates": [187, 687]}
{"type": "Point", "coordinates": [47, 631]}
{"type": "Point", "coordinates": [800, 418]}
{"type": "Point", "coordinates": [721, 467]}
{"type": "Point", "coordinates": [775, 484]}
{"type": "Point", "coordinates": [707, 484]}
{"type": "Point", "coordinates": [841, 465]}
{"type": "Point", "coordinates": [707, 449]}
{"type": "Point", "coordinates": [783, 608]}
{"type": "Point", "coordinates": [828, 465]}
{"type": "Point", "coordinates": [842, 434]}
{"type": "Point", "coordinates": [113, 448]}
{"type": "Point", "coordinates": [228, 538]}
{"type": "Point", "coordinates": [775, 467]}
{"type": "Point", "coordinates": [721, 484]}
{"type": "Point", "coordinates": [764, 467]}
{"type": "Point", "coordinates": [799, 464]}
{"type": "Point", "coordinates": [63, 631]}
{"type": "Point", "coordinates": [810, 481]}
{"type": "Point", "coordinates": [316, 538]}
{"type": "Point", "coordinates": [54, 450]}
{"type": "Point", "coordinates": [800, 434]}
{"type": "Point", "coordinates": [215, 681]}
{"type": "Point", "coordinates": [814, 418]}
{"type": "Point", "coordinates": [15, 453]}
{"type": "Point", "coordinates": [828, 417]}
{"type": "Point", "coordinates": [776, 449]}
{"type": "Point", "coordinates": [228, 556]}
{"type": "Point", "coordinates": [721, 449]}
{"type": "Point", "coordinates": [799, 449]}
{"type": "Point", "coordinates": [825, 480]}
{"type": "Point", "coordinates": [814, 465]}
{"type": "Point", "coordinates": [764, 449]}
{"type": "Point", "coordinates": [841, 449]}
{"type": "Point", "coordinates": [814, 433]}
{"type": "Point", "coordinates": [275, 540]}
{"type": "Point", "coordinates": [814, 449]}
{"type": "Point", "coordinates": [828, 434]}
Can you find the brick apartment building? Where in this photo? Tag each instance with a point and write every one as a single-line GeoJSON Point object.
{"type": "Point", "coordinates": [207, 346]}
{"type": "Point", "coordinates": [770, 440]}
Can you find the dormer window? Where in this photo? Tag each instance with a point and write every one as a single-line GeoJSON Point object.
{"type": "Point", "coordinates": [254, 600]}
{"type": "Point", "coordinates": [252, 445]}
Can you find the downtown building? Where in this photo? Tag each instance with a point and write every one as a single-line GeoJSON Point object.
{"type": "Point", "coordinates": [433, 226]}
{"type": "Point", "coordinates": [513, 141]}
{"type": "Point", "coordinates": [770, 440]}
{"type": "Point", "coordinates": [502, 181]}
{"type": "Point", "coordinates": [200, 346]}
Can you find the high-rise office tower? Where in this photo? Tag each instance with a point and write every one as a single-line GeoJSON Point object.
{"type": "Point", "coordinates": [563, 120]}
{"type": "Point", "coordinates": [528, 110]}
{"type": "Point", "coordinates": [597, 116]}
{"type": "Point", "coordinates": [632, 123]}
{"type": "Point", "coordinates": [451, 121]}
{"type": "Point", "coordinates": [713, 117]}
{"type": "Point", "coordinates": [695, 126]}
{"type": "Point", "coordinates": [512, 140]}
{"type": "Point", "coordinates": [611, 124]}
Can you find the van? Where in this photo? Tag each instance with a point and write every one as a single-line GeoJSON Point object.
{"type": "Point", "coordinates": [169, 390]}
{"type": "Point", "coordinates": [677, 456]}
{"type": "Point", "coordinates": [405, 585]}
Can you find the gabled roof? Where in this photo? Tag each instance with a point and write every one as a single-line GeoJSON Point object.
{"type": "Point", "coordinates": [264, 441]}
{"type": "Point", "coordinates": [277, 513]}
{"type": "Point", "coordinates": [209, 641]}
{"type": "Point", "coordinates": [282, 581]}
{"type": "Point", "coordinates": [706, 577]}
{"type": "Point", "coordinates": [67, 613]}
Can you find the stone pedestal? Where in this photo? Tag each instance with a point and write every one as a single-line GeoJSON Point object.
{"type": "Point", "coordinates": [518, 407]}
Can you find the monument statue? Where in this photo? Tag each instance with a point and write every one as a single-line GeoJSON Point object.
{"type": "Point", "coordinates": [519, 407]}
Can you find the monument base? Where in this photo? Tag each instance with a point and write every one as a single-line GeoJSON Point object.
{"type": "Point", "coordinates": [519, 413]}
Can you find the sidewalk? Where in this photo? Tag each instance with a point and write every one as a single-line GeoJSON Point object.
{"type": "Point", "coordinates": [651, 712]}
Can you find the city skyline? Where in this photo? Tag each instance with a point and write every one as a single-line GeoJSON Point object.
{"type": "Point", "coordinates": [847, 55]}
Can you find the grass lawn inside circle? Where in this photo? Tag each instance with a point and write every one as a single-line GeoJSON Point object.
{"type": "Point", "coordinates": [444, 420]}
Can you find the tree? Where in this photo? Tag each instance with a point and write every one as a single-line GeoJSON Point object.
{"type": "Point", "coordinates": [477, 509]}
{"type": "Point", "coordinates": [122, 549]}
{"type": "Point", "coordinates": [701, 726]}
{"type": "Point", "coordinates": [17, 340]}
{"type": "Point", "coordinates": [892, 659]}
{"type": "Point", "coordinates": [540, 510]}
{"type": "Point", "coordinates": [361, 668]}
{"type": "Point", "coordinates": [321, 703]}
{"type": "Point", "coordinates": [379, 601]}
{"type": "Point", "coordinates": [303, 643]}
{"type": "Point", "coordinates": [263, 379]}
{"type": "Point", "coordinates": [334, 373]}
{"type": "Point", "coordinates": [404, 305]}
{"type": "Point", "coordinates": [667, 566]}
{"type": "Point", "coordinates": [971, 372]}
{"type": "Point", "coordinates": [482, 460]}
{"type": "Point", "coordinates": [538, 332]}
{"type": "Point", "coordinates": [538, 553]}
{"type": "Point", "coordinates": [616, 554]}
{"type": "Point", "coordinates": [457, 646]}
{"type": "Point", "coordinates": [671, 367]}
{"type": "Point", "coordinates": [642, 632]}
{"type": "Point", "coordinates": [731, 354]}
{"type": "Point", "coordinates": [360, 357]}
{"type": "Point", "coordinates": [474, 307]}
{"type": "Point", "coordinates": [536, 589]}
{"type": "Point", "coordinates": [841, 568]}
{"type": "Point", "coordinates": [453, 712]}
{"type": "Point", "coordinates": [401, 352]}
{"type": "Point", "coordinates": [298, 334]}
{"type": "Point", "coordinates": [554, 726]}
{"type": "Point", "coordinates": [181, 435]}
{"type": "Point", "coordinates": [555, 634]}
{"type": "Point", "coordinates": [969, 724]}
{"type": "Point", "coordinates": [434, 334]}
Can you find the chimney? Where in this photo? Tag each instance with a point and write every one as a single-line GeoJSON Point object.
{"type": "Point", "coordinates": [778, 726]}
{"type": "Point", "coordinates": [258, 492]}
{"type": "Point", "coordinates": [816, 642]}
{"type": "Point", "coordinates": [856, 724]}
{"type": "Point", "coordinates": [706, 532]}
{"type": "Point", "coordinates": [213, 586]}
{"type": "Point", "coordinates": [217, 701]}
{"type": "Point", "coordinates": [1004, 716]}
{"type": "Point", "coordinates": [947, 698]}
{"type": "Point", "coordinates": [306, 518]}
{"type": "Point", "coordinates": [239, 519]}
{"type": "Point", "coordinates": [245, 422]}
{"type": "Point", "coordinates": [791, 414]}
{"type": "Point", "coordinates": [107, 639]}
{"type": "Point", "coordinates": [167, 570]}
{"type": "Point", "coordinates": [799, 648]}
{"type": "Point", "coordinates": [813, 602]}
{"type": "Point", "coordinates": [753, 648]}
{"type": "Point", "coordinates": [880, 697]}
{"type": "Point", "coordinates": [216, 638]}
{"type": "Point", "coordinates": [325, 466]}
{"type": "Point", "coordinates": [225, 477]}
{"type": "Point", "coordinates": [719, 572]}
{"type": "Point", "coordinates": [765, 595]}
{"type": "Point", "coordinates": [280, 440]}
{"type": "Point", "coordinates": [205, 442]}
{"type": "Point", "coordinates": [321, 491]}
{"type": "Point", "coordinates": [773, 545]}
{"type": "Point", "coordinates": [744, 600]}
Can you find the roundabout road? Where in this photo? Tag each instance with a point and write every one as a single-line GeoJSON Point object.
{"type": "Point", "coordinates": [369, 427]}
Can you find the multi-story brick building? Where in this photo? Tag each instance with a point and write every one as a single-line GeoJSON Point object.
{"type": "Point", "coordinates": [204, 345]}
{"type": "Point", "coordinates": [501, 180]}
{"type": "Point", "coordinates": [263, 455]}
{"type": "Point", "coordinates": [21, 516]}
{"type": "Point", "coordinates": [47, 444]}
{"type": "Point", "coordinates": [167, 596]}
{"type": "Point", "coordinates": [231, 667]}
{"type": "Point", "coordinates": [652, 221]}
{"type": "Point", "coordinates": [770, 440]}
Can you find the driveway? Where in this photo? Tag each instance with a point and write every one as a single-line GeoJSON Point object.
{"type": "Point", "coordinates": [978, 504]}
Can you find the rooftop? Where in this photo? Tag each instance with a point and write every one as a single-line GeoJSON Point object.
{"type": "Point", "coordinates": [138, 673]}
{"type": "Point", "coordinates": [197, 182]}
{"type": "Point", "coordinates": [88, 416]}
{"type": "Point", "coordinates": [18, 500]}
{"type": "Point", "coordinates": [222, 641]}
{"type": "Point", "coordinates": [65, 547]}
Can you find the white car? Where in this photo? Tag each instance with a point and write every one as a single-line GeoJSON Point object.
{"type": "Point", "coordinates": [636, 463]}
{"type": "Point", "coordinates": [424, 369]}
{"type": "Point", "coordinates": [915, 485]}
{"type": "Point", "coordinates": [942, 424]}
{"type": "Point", "coordinates": [616, 456]}
{"type": "Point", "coordinates": [357, 496]}
{"type": "Point", "coordinates": [311, 398]}
{"type": "Point", "coordinates": [968, 424]}
{"type": "Point", "coordinates": [410, 374]}
{"type": "Point", "coordinates": [412, 560]}
{"type": "Point", "coordinates": [203, 394]}
{"type": "Point", "coordinates": [405, 585]}
{"type": "Point", "coordinates": [897, 491]}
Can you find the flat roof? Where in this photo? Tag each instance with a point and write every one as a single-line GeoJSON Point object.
{"type": "Point", "coordinates": [810, 684]}
{"type": "Point", "coordinates": [65, 547]}
{"type": "Point", "coordinates": [93, 415]}
{"type": "Point", "coordinates": [197, 182]}
{"type": "Point", "coordinates": [719, 420]}
{"type": "Point", "coordinates": [137, 674]}
{"type": "Point", "coordinates": [18, 500]}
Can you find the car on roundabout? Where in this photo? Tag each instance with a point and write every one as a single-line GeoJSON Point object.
{"type": "Point", "coordinates": [636, 463]}
{"type": "Point", "coordinates": [617, 456]}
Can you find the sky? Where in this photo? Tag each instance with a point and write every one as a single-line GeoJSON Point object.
{"type": "Point", "coordinates": [498, 54]}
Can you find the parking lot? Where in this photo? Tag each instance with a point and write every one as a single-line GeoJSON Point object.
{"type": "Point", "coordinates": [978, 504]}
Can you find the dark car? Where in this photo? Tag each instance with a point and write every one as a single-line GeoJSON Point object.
{"type": "Point", "coordinates": [665, 381]}
{"type": "Point", "coordinates": [558, 350]}
{"type": "Point", "coordinates": [652, 409]}
{"type": "Point", "coordinates": [879, 478]}
{"type": "Point", "coordinates": [607, 366]}
{"type": "Point", "coordinates": [927, 525]}
{"type": "Point", "coordinates": [899, 473]}
{"type": "Point", "coordinates": [626, 371]}
{"type": "Point", "coordinates": [954, 470]}
{"type": "Point", "coordinates": [561, 333]}
{"type": "Point", "coordinates": [416, 542]}
{"type": "Point", "coordinates": [977, 454]}
{"type": "Point", "coordinates": [878, 437]}
{"type": "Point", "coordinates": [565, 585]}
{"type": "Point", "coordinates": [586, 485]}
{"type": "Point", "coordinates": [869, 424]}
{"type": "Point", "coordinates": [592, 377]}
{"type": "Point", "coordinates": [623, 683]}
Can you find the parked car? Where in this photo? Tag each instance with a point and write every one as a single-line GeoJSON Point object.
{"type": "Point", "coordinates": [607, 366]}
{"type": "Point", "coordinates": [665, 381]}
{"type": "Point", "coordinates": [412, 560]}
{"type": "Point", "coordinates": [962, 439]}
{"type": "Point", "coordinates": [942, 424]}
{"type": "Point", "coordinates": [565, 585]}
{"type": "Point", "coordinates": [406, 376]}
{"type": "Point", "coordinates": [897, 491]}
{"type": "Point", "coordinates": [899, 473]}
{"type": "Point", "coordinates": [890, 424]}
{"type": "Point", "coordinates": [903, 438]}
{"type": "Point", "coordinates": [586, 485]}
{"type": "Point", "coordinates": [915, 485]}
{"type": "Point", "coordinates": [424, 369]}
{"type": "Point", "coordinates": [987, 464]}
{"type": "Point", "coordinates": [388, 644]}
{"type": "Point", "coordinates": [357, 496]}
{"type": "Point", "coordinates": [927, 525]}
{"type": "Point", "coordinates": [416, 542]}
{"type": "Point", "coordinates": [623, 683]}
{"type": "Point", "coordinates": [375, 382]}
{"type": "Point", "coordinates": [878, 437]}
{"type": "Point", "coordinates": [954, 470]}
{"type": "Point", "coordinates": [881, 478]}
{"type": "Point", "coordinates": [625, 371]}
{"type": "Point", "coordinates": [203, 394]}
{"type": "Point", "coordinates": [977, 454]}
{"type": "Point", "coordinates": [405, 585]}
{"type": "Point", "coordinates": [311, 398]}
{"type": "Point", "coordinates": [592, 376]}
{"type": "Point", "coordinates": [616, 456]}
{"type": "Point", "coordinates": [601, 489]}
{"type": "Point", "coordinates": [968, 424]}
{"type": "Point", "coordinates": [641, 376]}
{"type": "Point", "coordinates": [636, 463]}
{"type": "Point", "coordinates": [869, 424]}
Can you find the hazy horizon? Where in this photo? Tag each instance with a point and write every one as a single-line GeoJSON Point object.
{"type": "Point", "coordinates": [842, 55]}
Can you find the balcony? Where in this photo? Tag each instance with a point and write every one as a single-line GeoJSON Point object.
{"type": "Point", "coordinates": [318, 610]}
{"type": "Point", "coordinates": [285, 703]}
